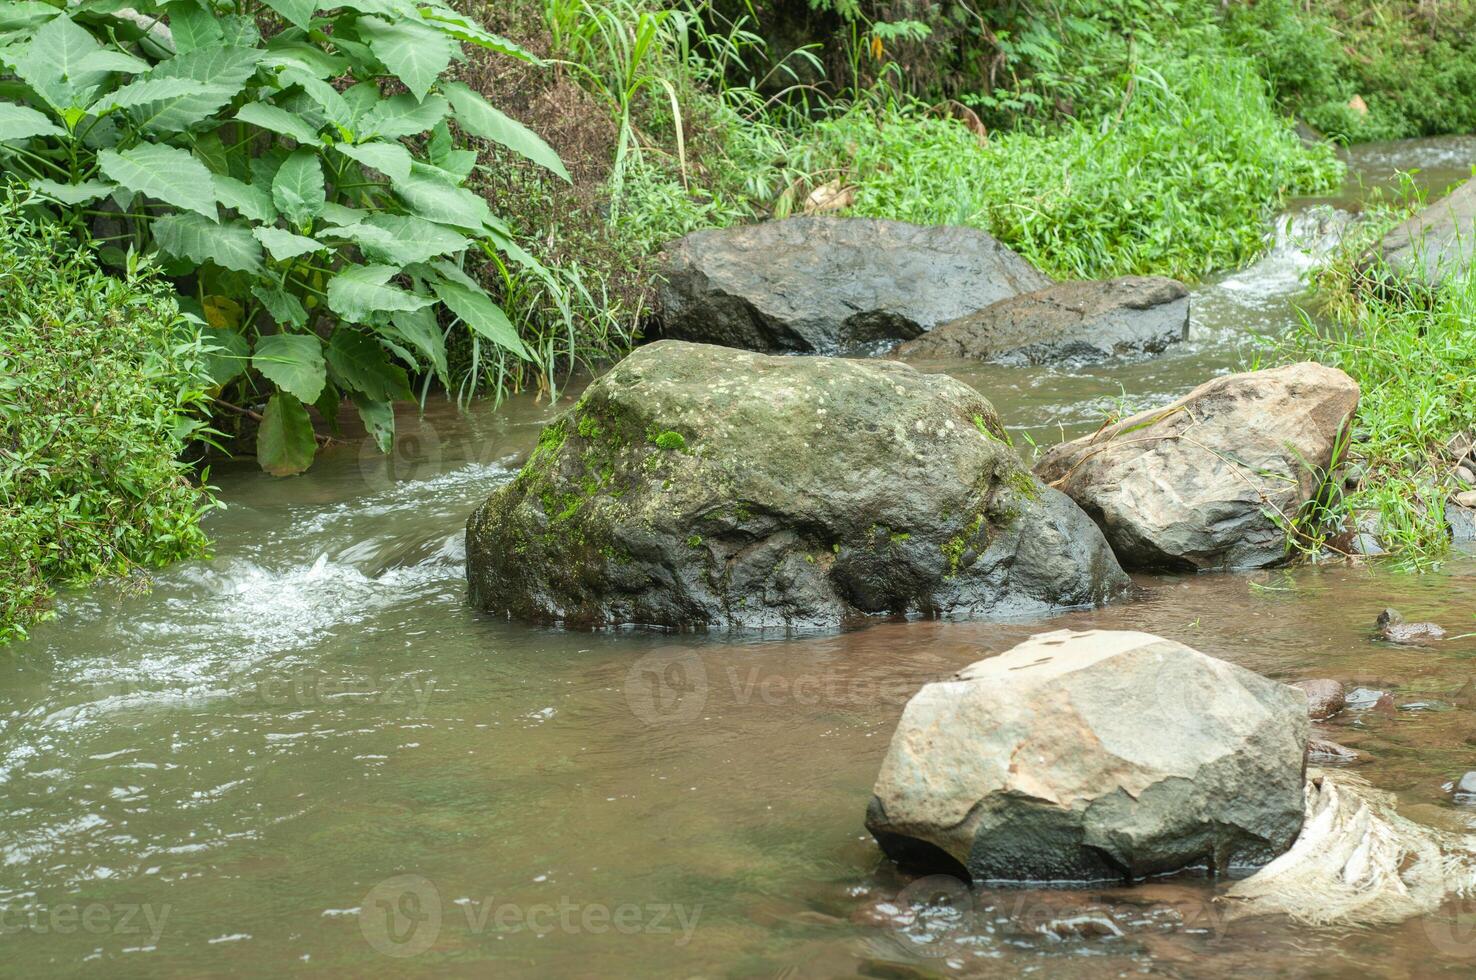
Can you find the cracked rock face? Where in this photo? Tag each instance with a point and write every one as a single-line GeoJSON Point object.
{"type": "Point", "coordinates": [1071, 322]}
{"type": "Point", "coordinates": [830, 285]}
{"type": "Point", "coordinates": [703, 487]}
{"type": "Point", "coordinates": [1093, 755]}
{"type": "Point", "coordinates": [1211, 480]}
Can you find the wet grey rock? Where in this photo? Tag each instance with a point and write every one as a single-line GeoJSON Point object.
{"type": "Point", "coordinates": [1367, 698]}
{"type": "Point", "coordinates": [703, 487]}
{"type": "Point", "coordinates": [1465, 788]}
{"type": "Point", "coordinates": [1073, 322]}
{"type": "Point", "coordinates": [1095, 755]}
{"type": "Point", "coordinates": [1325, 750]}
{"type": "Point", "coordinates": [1430, 246]}
{"type": "Point", "coordinates": [1462, 524]}
{"type": "Point", "coordinates": [827, 284]}
{"type": "Point", "coordinates": [1197, 484]}
{"type": "Point", "coordinates": [1324, 697]}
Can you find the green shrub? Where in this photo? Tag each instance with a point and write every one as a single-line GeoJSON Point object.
{"type": "Point", "coordinates": [101, 384]}
{"type": "Point", "coordinates": [1181, 184]}
{"type": "Point", "coordinates": [296, 168]}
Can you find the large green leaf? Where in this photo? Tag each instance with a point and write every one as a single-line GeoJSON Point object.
{"type": "Point", "coordinates": [298, 189]}
{"type": "Point", "coordinates": [293, 361]}
{"type": "Point", "coordinates": [378, 418]}
{"type": "Point", "coordinates": [192, 26]}
{"type": "Point", "coordinates": [283, 52]}
{"type": "Point", "coordinates": [390, 159]}
{"type": "Point", "coordinates": [167, 173]}
{"type": "Point", "coordinates": [110, 60]}
{"type": "Point", "coordinates": [250, 201]}
{"type": "Point", "coordinates": [361, 290]}
{"type": "Point", "coordinates": [420, 330]}
{"type": "Point", "coordinates": [402, 115]}
{"type": "Point", "coordinates": [52, 64]}
{"type": "Point", "coordinates": [283, 307]}
{"type": "Point", "coordinates": [229, 244]}
{"type": "Point", "coordinates": [414, 52]}
{"type": "Point", "coordinates": [296, 12]}
{"type": "Point", "coordinates": [278, 120]}
{"type": "Point", "coordinates": [219, 74]}
{"type": "Point", "coordinates": [285, 245]}
{"type": "Point", "coordinates": [142, 92]}
{"type": "Point", "coordinates": [73, 194]}
{"type": "Point", "coordinates": [403, 239]}
{"type": "Point", "coordinates": [229, 359]}
{"type": "Point", "coordinates": [18, 123]}
{"type": "Point", "coordinates": [285, 444]}
{"type": "Point", "coordinates": [463, 28]}
{"type": "Point", "coordinates": [434, 198]}
{"type": "Point", "coordinates": [359, 364]}
{"type": "Point", "coordinates": [481, 314]}
{"type": "Point", "coordinates": [478, 117]}
{"type": "Point", "coordinates": [335, 108]}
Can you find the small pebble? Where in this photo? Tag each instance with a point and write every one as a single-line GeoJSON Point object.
{"type": "Point", "coordinates": [1465, 475]}
{"type": "Point", "coordinates": [1466, 498]}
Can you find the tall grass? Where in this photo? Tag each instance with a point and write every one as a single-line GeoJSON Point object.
{"type": "Point", "coordinates": [1181, 180]}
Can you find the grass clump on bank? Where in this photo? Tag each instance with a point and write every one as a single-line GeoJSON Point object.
{"type": "Point", "coordinates": [1181, 182]}
{"type": "Point", "coordinates": [101, 384]}
{"type": "Point", "coordinates": [1413, 353]}
{"type": "Point", "coordinates": [1416, 369]}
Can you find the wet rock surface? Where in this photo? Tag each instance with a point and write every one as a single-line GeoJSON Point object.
{"type": "Point", "coordinates": [1072, 322]}
{"type": "Point", "coordinates": [827, 285]}
{"type": "Point", "coordinates": [1432, 245]}
{"type": "Point", "coordinates": [1324, 697]}
{"type": "Point", "coordinates": [1391, 626]}
{"type": "Point", "coordinates": [1028, 766]}
{"type": "Point", "coordinates": [696, 486]}
{"type": "Point", "coordinates": [1198, 484]}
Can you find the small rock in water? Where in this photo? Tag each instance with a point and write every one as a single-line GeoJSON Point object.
{"type": "Point", "coordinates": [1462, 524]}
{"type": "Point", "coordinates": [1392, 627]}
{"type": "Point", "coordinates": [1364, 698]}
{"type": "Point", "coordinates": [1465, 789]}
{"type": "Point", "coordinates": [1325, 750]}
{"type": "Point", "coordinates": [1324, 697]}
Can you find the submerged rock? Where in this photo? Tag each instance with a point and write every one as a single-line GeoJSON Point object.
{"type": "Point", "coordinates": [1070, 321]}
{"type": "Point", "coordinates": [1324, 697]}
{"type": "Point", "coordinates": [696, 486]}
{"type": "Point", "coordinates": [1430, 246]}
{"type": "Point", "coordinates": [1079, 756]}
{"type": "Point", "coordinates": [825, 284]}
{"type": "Point", "coordinates": [1211, 480]}
{"type": "Point", "coordinates": [1392, 627]}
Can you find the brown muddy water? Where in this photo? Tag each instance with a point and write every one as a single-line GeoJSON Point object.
{"type": "Point", "coordinates": [307, 756]}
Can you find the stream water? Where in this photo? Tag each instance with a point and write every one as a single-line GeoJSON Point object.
{"type": "Point", "coordinates": [309, 756]}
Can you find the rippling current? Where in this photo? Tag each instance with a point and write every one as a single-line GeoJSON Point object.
{"type": "Point", "coordinates": [308, 756]}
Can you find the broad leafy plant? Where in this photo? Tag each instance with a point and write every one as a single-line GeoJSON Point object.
{"type": "Point", "coordinates": [298, 172]}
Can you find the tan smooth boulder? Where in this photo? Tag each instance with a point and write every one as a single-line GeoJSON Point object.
{"type": "Point", "coordinates": [1212, 480]}
{"type": "Point", "coordinates": [1095, 755]}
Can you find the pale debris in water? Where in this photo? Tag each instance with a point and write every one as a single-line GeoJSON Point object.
{"type": "Point", "coordinates": [1358, 862]}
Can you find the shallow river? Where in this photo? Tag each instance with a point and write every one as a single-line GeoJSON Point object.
{"type": "Point", "coordinates": [308, 756]}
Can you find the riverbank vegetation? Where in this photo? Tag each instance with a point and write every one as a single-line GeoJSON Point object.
{"type": "Point", "coordinates": [1413, 353]}
{"type": "Point", "coordinates": [102, 388]}
{"type": "Point", "coordinates": [393, 200]}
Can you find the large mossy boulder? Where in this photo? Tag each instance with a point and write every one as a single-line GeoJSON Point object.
{"type": "Point", "coordinates": [1095, 755]}
{"type": "Point", "coordinates": [699, 487]}
{"type": "Point", "coordinates": [828, 285]}
{"type": "Point", "coordinates": [1072, 322]}
{"type": "Point", "coordinates": [1430, 246]}
{"type": "Point", "coordinates": [1215, 479]}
